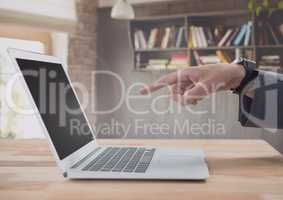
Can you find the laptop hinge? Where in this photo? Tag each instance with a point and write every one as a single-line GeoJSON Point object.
{"type": "Point", "coordinates": [65, 174]}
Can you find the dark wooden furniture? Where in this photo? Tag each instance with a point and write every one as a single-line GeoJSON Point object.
{"type": "Point", "coordinates": [230, 18]}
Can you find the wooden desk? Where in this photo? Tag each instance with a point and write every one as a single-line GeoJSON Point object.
{"type": "Point", "coordinates": [239, 169]}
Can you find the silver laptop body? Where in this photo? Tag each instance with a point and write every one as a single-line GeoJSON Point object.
{"type": "Point", "coordinates": [79, 156]}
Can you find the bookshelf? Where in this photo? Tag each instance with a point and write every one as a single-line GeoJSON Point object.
{"type": "Point", "coordinates": [231, 19]}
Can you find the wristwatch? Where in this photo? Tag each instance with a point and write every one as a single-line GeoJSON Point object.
{"type": "Point", "coordinates": [251, 73]}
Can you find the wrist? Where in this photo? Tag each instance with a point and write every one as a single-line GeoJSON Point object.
{"type": "Point", "coordinates": [238, 74]}
{"type": "Point", "coordinates": [250, 74]}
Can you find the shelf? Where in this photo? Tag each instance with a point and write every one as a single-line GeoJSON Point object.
{"type": "Point", "coordinates": [198, 14]}
{"type": "Point", "coordinates": [198, 48]}
{"type": "Point", "coordinates": [209, 48]}
{"type": "Point", "coordinates": [223, 48]}
{"type": "Point", "coordinates": [160, 50]}
{"type": "Point", "coordinates": [228, 17]}
{"type": "Point", "coordinates": [270, 46]}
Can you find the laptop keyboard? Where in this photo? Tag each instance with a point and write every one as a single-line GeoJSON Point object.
{"type": "Point", "coordinates": [122, 159]}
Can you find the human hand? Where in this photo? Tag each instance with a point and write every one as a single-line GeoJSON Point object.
{"type": "Point", "coordinates": [188, 86]}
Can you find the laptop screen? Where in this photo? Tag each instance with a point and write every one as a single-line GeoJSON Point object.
{"type": "Point", "coordinates": [58, 106]}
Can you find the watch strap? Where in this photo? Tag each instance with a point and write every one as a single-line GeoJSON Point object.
{"type": "Point", "coordinates": [251, 73]}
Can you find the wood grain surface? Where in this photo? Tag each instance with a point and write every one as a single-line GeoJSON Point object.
{"type": "Point", "coordinates": [239, 170]}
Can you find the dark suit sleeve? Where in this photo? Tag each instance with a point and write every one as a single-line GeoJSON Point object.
{"type": "Point", "coordinates": [265, 108]}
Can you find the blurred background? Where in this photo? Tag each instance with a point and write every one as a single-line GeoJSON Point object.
{"type": "Point", "coordinates": [154, 37]}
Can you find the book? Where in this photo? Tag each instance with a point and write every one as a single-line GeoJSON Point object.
{"type": "Point", "coordinates": [158, 61]}
{"type": "Point", "coordinates": [155, 67]}
{"type": "Point", "coordinates": [172, 37]}
{"type": "Point", "coordinates": [238, 53]}
{"type": "Point", "coordinates": [269, 32]}
{"type": "Point", "coordinates": [248, 34]}
{"type": "Point", "coordinates": [138, 59]}
{"type": "Point", "coordinates": [218, 33]}
{"type": "Point", "coordinates": [225, 37]}
{"type": "Point", "coordinates": [194, 37]}
{"type": "Point", "coordinates": [179, 60]}
{"type": "Point", "coordinates": [249, 54]}
{"type": "Point", "coordinates": [157, 64]}
{"type": "Point", "coordinates": [209, 36]}
{"type": "Point", "coordinates": [197, 58]}
{"type": "Point", "coordinates": [203, 38]}
{"type": "Point", "coordinates": [190, 38]}
{"type": "Point", "coordinates": [160, 35]}
{"type": "Point", "coordinates": [142, 40]}
{"type": "Point", "coordinates": [210, 59]}
{"type": "Point", "coordinates": [165, 39]}
{"type": "Point", "coordinates": [261, 35]}
{"type": "Point", "coordinates": [273, 35]}
{"type": "Point", "coordinates": [229, 56]}
{"type": "Point", "coordinates": [181, 56]}
{"type": "Point", "coordinates": [222, 57]}
{"type": "Point", "coordinates": [180, 36]}
{"type": "Point", "coordinates": [240, 35]}
{"type": "Point", "coordinates": [136, 40]}
{"type": "Point", "coordinates": [270, 60]}
{"type": "Point", "coordinates": [232, 37]}
{"type": "Point", "coordinates": [279, 31]}
{"type": "Point", "coordinates": [198, 37]}
{"type": "Point", "coordinates": [276, 69]}
{"type": "Point", "coordinates": [152, 38]}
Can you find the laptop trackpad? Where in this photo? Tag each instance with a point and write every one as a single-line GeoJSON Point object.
{"type": "Point", "coordinates": [188, 163]}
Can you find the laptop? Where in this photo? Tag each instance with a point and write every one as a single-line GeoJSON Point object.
{"type": "Point", "coordinates": [78, 153]}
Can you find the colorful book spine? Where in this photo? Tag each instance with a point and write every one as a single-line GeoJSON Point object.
{"type": "Point", "coordinates": [241, 35]}
{"type": "Point", "coordinates": [210, 38]}
{"type": "Point", "coordinates": [142, 39]}
{"type": "Point", "coordinates": [180, 37]}
{"type": "Point", "coordinates": [136, 40]}
{"type": "Point", "coordinates": [194, 37]}
{"type": "Point", "coordinates": [232, 37]}
{"type": "Point", "coordinates": [198, 36]}
{"type": "Point", "coordinates": [222, 57]}
{"type": "Point", "coordinates": [197, 58]}
{"type": "Point", "coordinates": [203, 38]}
{"type": "Point", "coordinates": [248, 34]}
{"type": "Point", "coordinates": [273, 35]}
{"type": "Point", "coordinates": [152, 38]}
{"type": "Point", "coordinates": [225, 37]}
{"type": "Point", "coordinates": [165, 40]}
{"type": "Point", "coordinates": [190, 38]}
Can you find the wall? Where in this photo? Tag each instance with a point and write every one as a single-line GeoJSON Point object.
{"type": "Point", "coordinates": [63, 9]}
{"type": "Point", "coordinates": [31, 24]}
{"type": "Point", "coordinates": [48, 14]}
{"type": "Point", "coordinates": [114, 54]}
{"type": "Point", "coordinates": [82, 50]}
{"type": "Point", "coordinates": [14, 123]}
{"type": "Point", "coordinates": [24, 33]}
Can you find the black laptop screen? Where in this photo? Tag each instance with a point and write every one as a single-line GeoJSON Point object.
{"type": "Point", "coordinates": [58, 106]}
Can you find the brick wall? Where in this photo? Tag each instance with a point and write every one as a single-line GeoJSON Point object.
{"type": "Point", "coordinates": [82, 50]}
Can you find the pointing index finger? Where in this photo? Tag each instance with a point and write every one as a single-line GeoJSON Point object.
{"type": "Point", "coordinates": [163, 81]}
